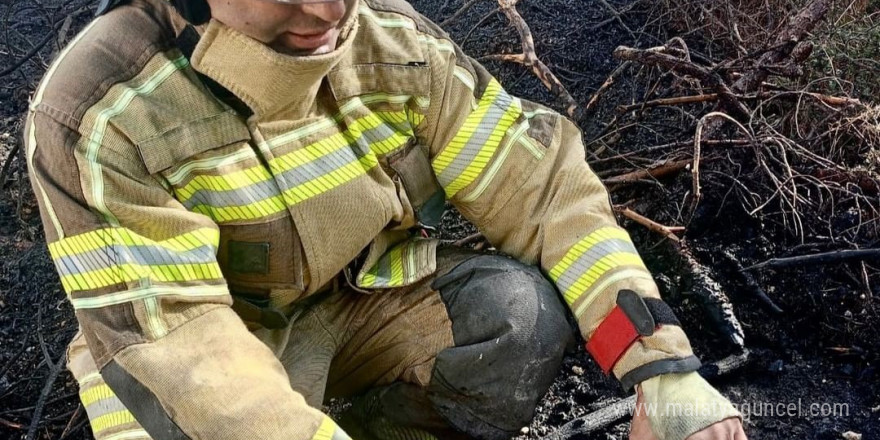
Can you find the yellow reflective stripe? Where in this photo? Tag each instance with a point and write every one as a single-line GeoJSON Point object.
{"type": "Point", "coordinates": [472, 148]}
{"type": "Point", "coordinates": [605, 264]}
{"type": "Point", "coordinates": [604, 233]}
{"type": "Point", "coordinates": [396, 261]}
{"type": "Point", "coordinates": [323, 147]}
{"type": "Point", "coordinates": [416, 119]}
{"type": "Point", "coordinates": [478, 163]}
{"type": "Point", "coordinates": [252, 211]}
{"type": "Point", "coordinates": [112, 420]}
{"type": "Point", "coordinates": [332, 180]}
{"type": "Point", "coordinates": [111, 256]}
{"type": "Point", "coordinates": [399, 266]}
{"type": "Point", "coordinates": [311, 154]}
{"type": "Point", "coordinates": [147, 292]}
{"type": "Point", "coordinates": [368, 279]}
{"type": "Point", "coordinates": [624, 274]}
{"type": "Point", "coordinates": [496, 164]}
{"type": "Point", "coordinates": [225, 182]}
{"type": "Point", "coordinates": [447, 156]}
{"type": "Point", "coordinates": [123, 273]}
{"type": "Point", "coordinates": [330, 122]}
{"type": "Point", "coordinates": [325, 430]}
{"type": "Point", "coordinates": [101, 238]}
{"type": "Point", "coordinates": [96, 393]}
{"type": "Point", "coordinates": [210, 163]}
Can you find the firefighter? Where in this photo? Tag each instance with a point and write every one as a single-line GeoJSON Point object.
{"type": "Point", "coordinates": [238, 197]}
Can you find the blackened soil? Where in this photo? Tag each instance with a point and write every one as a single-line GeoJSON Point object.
{"type": "Point", "coordinates": [822, 350]}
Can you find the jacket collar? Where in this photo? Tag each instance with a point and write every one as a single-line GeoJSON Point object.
{"type": "Point", "coordinates": [273, 85]}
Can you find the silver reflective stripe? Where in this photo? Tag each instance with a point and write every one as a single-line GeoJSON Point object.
{"type": "Point", "coordinates": [293, 177]}
{"type": "Point", "coordinates": [317, 168]}
{"type": "Point", "coordinates": [116, 254]}
{"type": "Point", "coordinates": [590, 257]}
{"type": "Point", "coordinates": [104, 406]}
{"type": "Point", "coordinates": [481, 134]}
{"type": "Point", "coordinates": [233, 197]}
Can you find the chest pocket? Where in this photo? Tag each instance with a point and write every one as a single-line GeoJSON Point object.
{"type": "Point", "coordinates": [212, 168]}
{"type": "Point", "coordinates": [398, 92]}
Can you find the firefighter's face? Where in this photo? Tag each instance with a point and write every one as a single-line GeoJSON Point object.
{"type": "Point", "coordinates": [302, 28]}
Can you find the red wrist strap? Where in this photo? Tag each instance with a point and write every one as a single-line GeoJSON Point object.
{"type": "Point", "coordinates": [632, 318]}
{"type": "Point", "coordinates": [613, 337]}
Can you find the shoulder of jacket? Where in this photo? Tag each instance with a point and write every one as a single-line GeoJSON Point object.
{"type": "Point", "coordinates": [406, 10]}
{"type": "Point", "coordinates": [112, 49]}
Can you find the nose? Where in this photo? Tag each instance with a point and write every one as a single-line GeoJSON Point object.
{"type": "Point", "coordinates": [330, 11]}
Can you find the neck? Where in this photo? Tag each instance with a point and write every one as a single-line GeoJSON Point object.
{"type": "Point", "coordinates": [273, 85]}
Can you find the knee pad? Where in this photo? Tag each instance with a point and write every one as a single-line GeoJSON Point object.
{"type": "Point", "coordinates": [511, 330]}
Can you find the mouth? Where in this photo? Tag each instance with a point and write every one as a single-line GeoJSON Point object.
{"type": "Point", "coordinates": [311, 40]}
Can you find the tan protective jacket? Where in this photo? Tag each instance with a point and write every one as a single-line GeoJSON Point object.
{"type": "Point", "coordinates": [159, 198]}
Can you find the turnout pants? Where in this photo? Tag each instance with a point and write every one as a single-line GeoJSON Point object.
{"type": "Point", "coordinates": [466, 353]}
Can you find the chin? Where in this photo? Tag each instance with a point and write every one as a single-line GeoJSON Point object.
{"type": "Point", "coordinates": [288, 48]}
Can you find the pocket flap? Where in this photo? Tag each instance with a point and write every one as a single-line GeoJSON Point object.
{"type": "Point", "coordinates": [360, 79]}
{"type": "Point", "coordinates": [162, 151]}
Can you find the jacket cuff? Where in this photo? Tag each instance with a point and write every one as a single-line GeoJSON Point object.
{"type": "Point", "coordinates": [656, 368]}
{"type": "Point", "coordinates": [666, 351]}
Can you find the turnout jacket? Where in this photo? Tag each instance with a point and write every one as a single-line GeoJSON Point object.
{"type": "Point", "coordinates": [161, 194]}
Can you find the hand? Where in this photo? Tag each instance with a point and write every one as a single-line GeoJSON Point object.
{"type": "Point", "coordinates": [727, 429]}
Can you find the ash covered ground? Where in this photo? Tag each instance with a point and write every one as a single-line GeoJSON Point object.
{"type": "Point", "coordinates": [821, 350]}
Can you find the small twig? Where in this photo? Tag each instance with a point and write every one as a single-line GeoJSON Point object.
{"type": "Point", "coordinates": [617, 15]}
{"type": "Point", "coordinates": [679, 144]}
{"type": "Point", "coordinates": [459, 12]}
{"type": "Point", "coordinates": [655, 172]}
{"type": "Point", "coordinates": [12, 425]}
{"type": "Point", "coordinates": [678, 100]}
{"type": "Point", "coordinates": [752, 284]}
{"type": "Point", "coordinates": [725, 366]}
{"type": "Point", "coordinates": [482, 20]}
{"type": "Point", "coordinates": [867, 281]}
{"type": "Point", "coordinates": [20, 62]}
{"type": "Point", "coordinates": [62, 35]}
{"type": "Point", "coordinates": [73, 418]}
{"type": "Point", "coordinates": [834, 101]}
{"type": "Point", "coordinates": [7, 165]}
{"type": "Point", "coordinates": [666, 231]}
{"type": "Point", "coordinates": [604, 87]}
{"type": "Point", "coordinates": [698, 137]}
{"type": "Point", "coordinates": [820, 258]}
{"type": "Point", "coordinates": [681, 66]}
{"type": "Point", "coordinates": [619, 409]}
{"type": "Point", "coordinates": [54, 370]}
{"type": "Point", "coordinates": [595, 420]}
{"type": "Point", "coordinates": [470, 239]}
{"type": "Point", "coordinates": [529, 56]}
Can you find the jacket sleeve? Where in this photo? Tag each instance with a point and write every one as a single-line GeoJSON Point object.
{"type": "Point", "coordinates": [141, 273]}
{"type": "Point", "coordinates": [517, 170]}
